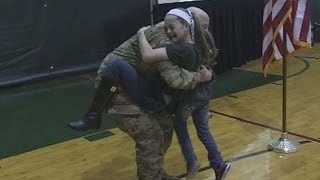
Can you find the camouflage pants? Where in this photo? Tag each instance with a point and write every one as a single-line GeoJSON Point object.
{"type": "Point", "coordinates": [152, 134]}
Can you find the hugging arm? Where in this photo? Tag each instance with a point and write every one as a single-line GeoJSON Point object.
{"type": "Point", "coordinates": [180, 78]}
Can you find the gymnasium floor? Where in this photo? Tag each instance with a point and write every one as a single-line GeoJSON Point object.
{"type": "Point", "coordinates": [247, 115]}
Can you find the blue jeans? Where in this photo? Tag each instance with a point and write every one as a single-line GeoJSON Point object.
{"type": "Point", "coordinates": [199, 112]}
{"type": "Point", "coordinates": [145, 93]}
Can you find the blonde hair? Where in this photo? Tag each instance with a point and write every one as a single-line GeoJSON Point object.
{"type": "Point", "coordinates": [203, 41]}
{"type": "Point", "coordinates": [212, 48]}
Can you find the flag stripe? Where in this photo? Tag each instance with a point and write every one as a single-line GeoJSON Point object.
{"type": "Point", "coordinates": [269, 51]}
{"type": "Point", "coordinates": [280, 16]}
{"type": "Point", "coordinates": [294, 16]}
{"type": "Point", "coordinates": [305, 22]}
{"type": "Point", "coordinates": [267, 25]}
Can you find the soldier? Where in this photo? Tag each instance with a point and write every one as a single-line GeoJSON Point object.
{"type": "Point", "coordinates": [190, 49]}
{"type": "Point", "coordinates": [151, 132]}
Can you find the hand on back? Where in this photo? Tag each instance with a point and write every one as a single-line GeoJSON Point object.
{"type": "Point", "coordinates": [205, 74]}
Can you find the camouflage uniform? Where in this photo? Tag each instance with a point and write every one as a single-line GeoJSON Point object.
{"type": "Point", "coordinates": [152, 133]}
{"type": "Point", "coordinates": [175, 77]}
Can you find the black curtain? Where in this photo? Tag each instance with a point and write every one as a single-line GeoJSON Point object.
{"type": "Point", "coordinates": [43, 39]}
{"type": "Point", "coordinates": [236, 26]}
{"type": "Point", "coordinates": [47, 38]}
{"type": "Point", "coordinates": [315, 11]}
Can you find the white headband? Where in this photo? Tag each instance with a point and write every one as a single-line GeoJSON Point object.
{"type": "Point", "coordinates": [185, 16]}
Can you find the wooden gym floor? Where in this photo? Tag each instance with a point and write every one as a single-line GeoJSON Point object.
{"type": "Point", "coordinates": [243, 124]}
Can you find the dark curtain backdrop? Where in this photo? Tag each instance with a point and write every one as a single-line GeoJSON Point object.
{"type": "Point", "coordinates": [41, 39]}
{"type": "Point", "coordinates": [315, 17]}
{"type": "Point", "coordinates": [315, 11]}
{"type": "Point", "coordinates": [49, 38]}
{"type": "Point", "coordinates": [236, 26]}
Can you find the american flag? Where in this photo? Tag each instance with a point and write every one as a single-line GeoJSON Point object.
{"type": "Point", "coordinates": [294, 16]}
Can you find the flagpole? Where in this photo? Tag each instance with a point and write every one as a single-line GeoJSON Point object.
{"type": "Point", "coordinates": [284, 84]}
{"type": "Point", "coordinates": [284, 144]}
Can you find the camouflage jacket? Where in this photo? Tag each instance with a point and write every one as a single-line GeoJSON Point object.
{"type": "Point", "coordinates": [174, 76]}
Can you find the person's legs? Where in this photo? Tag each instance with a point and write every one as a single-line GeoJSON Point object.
{"type": "Point", "coordinates": [140, 90]}
{"type": "Point", "coordinates": [148, 137]}
{"type": "Point", "coordinates": [144, 129]}
{"type": "Point", "coordinates": [165, 121]}
{"type": "Point", "coordinates": [118, 72]}
{"type": "Point", "coordinates": [181, 129]}
{"type": "Point", "coordinates": [200, 119]}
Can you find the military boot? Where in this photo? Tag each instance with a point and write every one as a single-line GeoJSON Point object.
{"type": "Point", "coordinates": [102, 100]}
